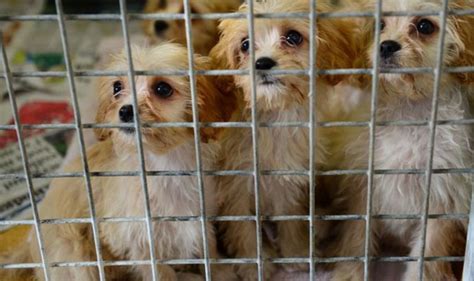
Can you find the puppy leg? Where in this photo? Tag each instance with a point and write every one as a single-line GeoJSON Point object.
{"type": "Point", "coordinates": [165, 272]}
{"type": "Point", "coordinates": [218, 272]}
{"type": "Point", "coordinates": [186, 276]}
{"type": "Point", "coordinates": [67, 243]}
{"type": "Point", "coordinates": [240, 236]}
{"type": "Point", "coordinates": [352, 244]}
{"type": "Point", "coordinates": [293, 242]}
{"type": "Point", "coordinates": [443, 238]}
{"type": "Point", "coordinates": [140, 251]}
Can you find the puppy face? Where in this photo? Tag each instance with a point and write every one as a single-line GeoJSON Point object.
{"type": "Point", "coordinates": [279, 44]}
{"type": "Point", "coordinates": [160, 99]}
{"type": "Point", "coordinates": [204, 31]}
{"type": "Point", "coordinates": [284, 44]}
{"type": "Point", "coordinates": [413, 41]}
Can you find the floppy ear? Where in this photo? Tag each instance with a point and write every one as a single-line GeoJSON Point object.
{"type": "Point", "coordinates": [102, 133]}
{"type": "Point", "coordinates": [214, 106]}
{"type": "Point", "coordinates": [464, 26]}
{"type": "Point", "coordinates": [224, 54]}
{"type": "Point", "coordinates": [342, 42]}
{"type": "Point", "coordinates": [152, 5]}
{"type": "Point", "coordinates": [341, 46]}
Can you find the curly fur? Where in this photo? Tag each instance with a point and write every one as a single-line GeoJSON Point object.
{"type": "Point", "coordinates": [165, 149]}
{"type": "Point", "coordinates": [204, 31]}
{"type": "Point", "coordinates": [409, 97]}
{"type": "Point", "coordinates": [285, 101]}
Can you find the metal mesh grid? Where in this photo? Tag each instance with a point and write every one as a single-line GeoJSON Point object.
{"type": "Point", "coordinates": [312, 123]}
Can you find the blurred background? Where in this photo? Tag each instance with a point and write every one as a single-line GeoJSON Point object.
{"type": "Point", "coordinates": [35, 46]}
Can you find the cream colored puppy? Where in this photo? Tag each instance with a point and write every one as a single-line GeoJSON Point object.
{"type": "Point", "coordinates": [204, 31]}
{"type": "Point", "coordinates": [280, 44]}
{"type": "Point", "coordinates": [160, 99]}
{"type": "Point", "coordinates": [412, 42]}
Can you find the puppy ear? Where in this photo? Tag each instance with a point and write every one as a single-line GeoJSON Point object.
{"type": "Point", "coordinates": [152, 5]}
{"type": "Point", "coordinates": [340, 47]}
{"type": "Point", "coordinates": [214, 106]}
{"type": "Point", "coordinates": [224, 54]}
{"type": "Point", "coordinates": [464, 27]}
{"type": "Point", "coordinates": [102, 133]}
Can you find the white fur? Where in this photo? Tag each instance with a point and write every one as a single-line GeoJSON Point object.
{"type": "Point", "coordinates": [407, 148]}
{"type": "Point", "coordinates": [123, 197]}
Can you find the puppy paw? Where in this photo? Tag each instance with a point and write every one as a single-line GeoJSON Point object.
{"type": "Point", "coordinates": [432, 273]}
{"type": "Point", "coordinates": [224, 274]}
{"type": "Point", "coordinates": [186, 276]}
{"type": "Point", "coordinates": [250, 272]}
{"type": "Point", "coordinates": [300, 267]}
{"type": "Point", "coordinates": [348, 272]}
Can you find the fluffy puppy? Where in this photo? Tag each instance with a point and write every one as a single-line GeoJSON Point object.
{"type": "Point", "coordinates": [204, 31]}
{"type": "Point", "coordinates": [160, 99]}
{"type": "Point", "coordinates": [412, 42]}
{"type": "Point", "coordinates": [280, 44]}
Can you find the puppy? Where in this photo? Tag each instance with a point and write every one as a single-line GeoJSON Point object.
{"type": "Point", "coordinates": [412, 42]}
{"type": "Point", "coordinates": [160, 99]}
{"type": "Point", "coordinates": [280, 44]}
{"type": "Point", "coordinates": [204, 31]}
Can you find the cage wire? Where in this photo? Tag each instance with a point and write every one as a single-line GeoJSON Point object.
{"type": "Point", "coordinates": [124, 17]}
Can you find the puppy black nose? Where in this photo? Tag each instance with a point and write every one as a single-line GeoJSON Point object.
{"type": "Point", "coordinates": [388, 48]}
{"type": "Point", "coordinates": [265, 63]}
{"type": "Point", "coordinates": [161, 26]}
{"type": "Point", "coordinates": [126, 113]}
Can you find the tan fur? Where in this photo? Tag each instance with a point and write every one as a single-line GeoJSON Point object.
{"type": "Point", "coordinates": [283, 148]}
{"type": "Point", "coordinates": [165, 149]}
{"type": "Point", "coordinates": [204, 31]}
{"type": "Point", "coordinates": [464, 27]}
{"type": "Point", "coordinates": [409, 97]}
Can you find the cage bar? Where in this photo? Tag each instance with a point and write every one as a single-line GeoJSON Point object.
{"type": "Point", "coordinates": [80, 138]}
{"type": "Point", "coordinates": [372, 128]}
{"type": "Point", "coordinates": [254, 125]}
{"type": "Point", "coordinates": [138, 134]}
{"type": "Point", "coordinates": [256, 175]}
{"type": "Point", "coordinates": [312, 135]}
{"type": "Point", "coordinates": [197, 138]}
{"type": "Point", "coordinates": [468, 270]}
{"type": "Point", "coordinates": [432, 127]}
{"type": "Point", "coordinates": [101, 73]}
{"type": "Point", "coordinates": [217, 16]}
{"type": "Point", "coordinates": [24, 158]}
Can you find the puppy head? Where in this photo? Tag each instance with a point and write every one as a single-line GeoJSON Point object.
{"type": "Point", "coordinates": [413, 41]}
{"type": "Point", "coordinates": [279, 44]}
{"type": "Point", "coordinates": [160, 99]}
{"type": "Point", "coordinates": [204, 31]}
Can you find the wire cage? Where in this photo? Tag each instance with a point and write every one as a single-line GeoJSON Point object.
{"type": "Point", "coordinates": [124, 17]}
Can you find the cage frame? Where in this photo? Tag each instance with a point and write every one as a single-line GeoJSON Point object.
{"type": "Point", "coordinates": [124, 17]}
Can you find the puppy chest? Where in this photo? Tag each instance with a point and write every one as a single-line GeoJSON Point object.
{"type": "Point", "coordinates": [283, 148]}
{"type": "Point", "coordinates": [398, 194]}
{"type": "Point", "coordinates": [172, 240]}
{"type": "Point", "coordinates": [167, 195]}
{"type": "Point", "coordinates": [401, 148]}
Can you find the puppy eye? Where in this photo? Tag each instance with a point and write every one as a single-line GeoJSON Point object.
{"type": "Point", "coordinates": [426, 27]}
{"type": "Point", "coordinates": [245, 45]}
{"type": "Point", "coordinates": [382, 25]}
{"type": "Point", "coordinates": [192, 11]}
{"type": "Point", "coordinates": [163, 90]}
{"type": "Point", "coordinates": [117, 87]}
{"type": "Point", "coordinates": [294, 38]}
